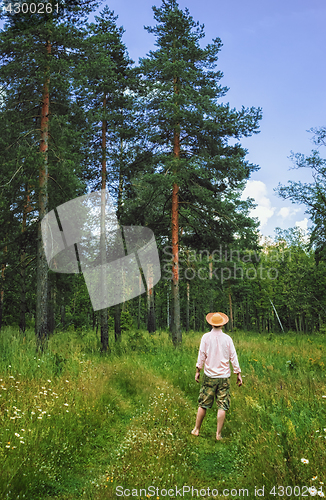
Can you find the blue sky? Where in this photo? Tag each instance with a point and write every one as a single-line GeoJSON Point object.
{"type": "Point", "coordinates": [272, 57]}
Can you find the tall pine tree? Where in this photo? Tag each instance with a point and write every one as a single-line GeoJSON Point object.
{"type": "Point", "coordinates": [189, 132]}
{"type": "Point", "coordinates": [104, 80]}
{"type": "Point", "coordinates": [40, 110]}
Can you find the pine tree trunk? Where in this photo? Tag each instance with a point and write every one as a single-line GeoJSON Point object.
{"type": "Point", "coordinates": [104, 330]}
{"type": "Point", "coordinates": [42, 266]}
{"type": "Point", "coordinates": [139, 303]}
{"type": "Point", "coordinates": [194, 309]}
{"type": "Point", "coordinates": [288, 319]}
{"type": "Point", "coordinates": [171, 310]}
{"type": "Point", "coordinates": [188, 307]}
{"type": "Point", "coordinates": [230, 305]}
{"type": "Point", "coordinates": [139, 310]}
{"type": "Point", "coordinates": [151, 323]}
{"type": "Point", "coordinates": [117, 309]}
{"type": "Point", "coordinates": [26, 210]}
{"type": "Point", "coordinates": [176, 330]}
{"type": "Point", "coordinates": [117, 324]}
{"type": "Point", "coordinates": [257, 321]}
{"type": "Point", "coordinates": [248, 320]}
{"type": "Point", "coordinates": [104, 312]}
{"type": "Point", "coordinates": [51, 307]}
{"type": "Point", "coordinates": [176, 327]}
{"type": "Point", "coordinates": [188, 299]}
{"type": "Point", "coordinates": [235, 312]}
{"type": "Point", "coordinates": [2, 293]}
{"type": "Point", "coordinates": [244, 317]}
{"type": "Point", "coordinates": [296, 324]}
{"type": "Point", "coordinates": [210, 271]}
{"type": "Point", "coordinates": [63, 317]}
{"type": "Point", "coordinates": [22, 320]}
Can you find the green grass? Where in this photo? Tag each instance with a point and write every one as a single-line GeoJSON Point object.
{"type": "Point", "coordinates": [77, 424]}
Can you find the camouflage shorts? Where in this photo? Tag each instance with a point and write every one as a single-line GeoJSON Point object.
{"type": "Point", "coordinates": [215, 387]}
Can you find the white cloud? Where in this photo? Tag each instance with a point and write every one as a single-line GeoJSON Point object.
{"type": "Point", "coordinates": [258, 191]}
{"type": "Point", "coordinates": [302, 224]}
{"type": "Point", "coordinates": [286, 212]}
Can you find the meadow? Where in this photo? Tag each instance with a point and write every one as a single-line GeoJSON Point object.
{"type": "Point", "coordinates": [79, 424]}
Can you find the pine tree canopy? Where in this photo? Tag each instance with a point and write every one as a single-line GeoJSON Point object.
{"type": "Point", "coordinates": [181, 91]}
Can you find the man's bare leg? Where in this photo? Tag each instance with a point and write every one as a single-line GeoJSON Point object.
{"type": "Point", "coordinates": [199, 419]}
{"type": "Point", "coordinates": [220, 422]}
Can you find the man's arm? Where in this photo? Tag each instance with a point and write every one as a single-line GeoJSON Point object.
{"type": "Point", "coordinates": [235, 363]}
{"type": "Point", "coordinates": [201, 358]}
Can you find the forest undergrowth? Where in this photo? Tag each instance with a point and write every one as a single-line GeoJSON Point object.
{"type": "Point", "coordinates": [79, 424]}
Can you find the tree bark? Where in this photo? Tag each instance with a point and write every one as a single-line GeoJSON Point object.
{"type": "Point", "coordinates": [63, 316]}
{"type": "Point", "coordinates": [26, 210]}
{"type": "Point", "coordinates": [188, 307]}
{"type": "Point", "coordinates": [42, 266]}
{"type": "Point", "coordinates": [117, 323]}
{"type": "Point", "coordinates": [117, 309]}
{"type": "Point", "coordinates": [104, 330]}
{"type": "Point", "coordinates": [104, 312]}
{"type": "Point", "coordinates": [2, 293]}
{"type": "Point", "coordinates": [230, 305]}
{"type": "Point", "coordinates": [22, 320]}
{"type": "Point", "coordinates": [176, 330]}
{"type": "Point", "coordinates": [151, 323]}
{"type": "Point", "coordinates": [139, 303]}
{"type": "Point", "coordinates": [248, 320]}
{"type": "Point", "coordinates": [210, 275]}
{"type": "Point", "coordinates": [51, 306]}
{"type": "Point", "coordinates": [296, 324]}
{"type": "Point", "coordinates": [194, 309]}
{"type": "Point", "coordinates": [139, 310]}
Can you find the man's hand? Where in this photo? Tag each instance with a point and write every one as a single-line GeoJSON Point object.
{"type": "Point", "coordinates": [239, 379]}
{"type": "Point", "coordinates": [197, 375]}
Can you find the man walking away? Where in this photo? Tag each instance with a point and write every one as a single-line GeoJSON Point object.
{"type": "Point", "coordinates": [215, 352]}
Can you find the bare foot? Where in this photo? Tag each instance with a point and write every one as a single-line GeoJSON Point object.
{"type": "Point", "coordinates": [218, 437]}
{"type": "Point", "coordinates": [195, 432]}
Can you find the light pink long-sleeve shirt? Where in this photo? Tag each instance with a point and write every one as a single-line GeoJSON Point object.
{"type": "Point", "coordinates": [215, 352]}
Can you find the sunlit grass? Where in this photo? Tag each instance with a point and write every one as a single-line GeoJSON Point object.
{"type": "Point", "coordinates": [76, 424]}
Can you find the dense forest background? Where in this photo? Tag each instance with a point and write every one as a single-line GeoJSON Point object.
{"type": "Point", "coordinates": [77, 115]}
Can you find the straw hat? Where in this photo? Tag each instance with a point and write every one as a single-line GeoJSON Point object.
{"type": "Point", "coordinates": [217, 319]}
